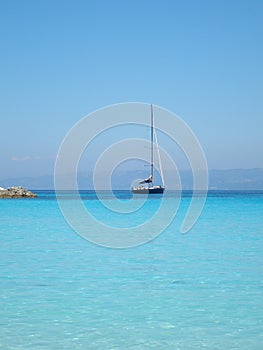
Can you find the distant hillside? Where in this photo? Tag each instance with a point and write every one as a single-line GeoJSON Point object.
{"type": "Point", "coordinates": [33, 183]}
{"type": "Point", "coordinates": [236, 179]}
{"type": "Point", "coordinates": [233, 179]}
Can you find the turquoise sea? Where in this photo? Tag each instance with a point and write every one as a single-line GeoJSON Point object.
{"type": "Point", "coordinates": [201, 290]}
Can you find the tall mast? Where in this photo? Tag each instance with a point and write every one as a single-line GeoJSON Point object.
{"type": "Point", "coordinates": [152, 141]}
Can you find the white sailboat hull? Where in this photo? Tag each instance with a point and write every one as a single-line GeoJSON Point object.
{"type": "Point", "coordinates": [146, 190]}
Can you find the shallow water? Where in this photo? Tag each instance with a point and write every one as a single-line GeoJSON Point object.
{"type": "Point", "coordinates": [202, 290]}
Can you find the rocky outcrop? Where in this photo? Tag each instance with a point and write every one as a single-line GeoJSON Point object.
{"type": "Point", "coordinates": [16, 192]}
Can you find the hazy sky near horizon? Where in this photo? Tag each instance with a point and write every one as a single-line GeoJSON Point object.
{"type": "Point", "coordinates": [61, 60]}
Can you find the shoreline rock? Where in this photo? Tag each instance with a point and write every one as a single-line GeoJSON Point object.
{"type": "Point", "coordinates": [16, 192]}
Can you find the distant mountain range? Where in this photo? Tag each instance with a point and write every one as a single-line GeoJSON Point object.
{"type": "Point", "coordinates": [236, 179]}
{"type": "Point", "coordinates": [232, 179]}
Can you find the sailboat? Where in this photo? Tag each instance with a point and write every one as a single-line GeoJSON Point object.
{"type": "Point", "coordinates": [147, 185]}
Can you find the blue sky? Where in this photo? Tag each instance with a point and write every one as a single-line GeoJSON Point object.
{"type": "Point", "coordinates": [61, 60]}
